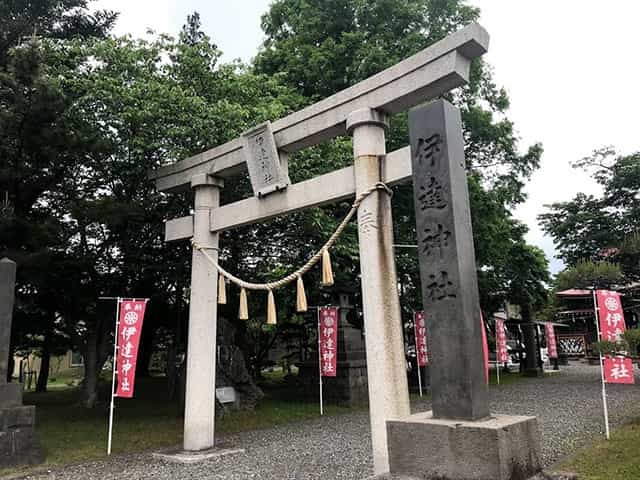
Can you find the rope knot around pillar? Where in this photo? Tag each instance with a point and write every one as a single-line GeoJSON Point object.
{"type": "Point", "coordinates": [383, 186]}
{"type": "Point", "coordinates": [199, 246]}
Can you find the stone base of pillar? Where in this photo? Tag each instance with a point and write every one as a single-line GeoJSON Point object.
{"type": "Point", "coordinates": [347, 389]}
{"type": "Point", "coordinates": [499, 448]}
{"type": "Point", "coordinates": [19, 443]}
{"type": "Point", "coordinates": [186, 457]}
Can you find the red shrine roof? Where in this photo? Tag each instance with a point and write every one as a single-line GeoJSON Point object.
{"type": "Point", "coordinates": [574, 292]}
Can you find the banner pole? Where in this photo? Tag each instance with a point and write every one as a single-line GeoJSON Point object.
{"type": "Point", "coordinates": [320, 363]}
{"type": "Point", "coordinates": [604, 388]}
{"type": "Point", "coordinates": [113, 374]}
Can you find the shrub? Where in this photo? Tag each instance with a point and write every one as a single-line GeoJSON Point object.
{"type": "Point", "coordinates": [632, 339]}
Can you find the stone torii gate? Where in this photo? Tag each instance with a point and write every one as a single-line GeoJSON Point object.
{"type": "Point", "coordinates": [362, 111]}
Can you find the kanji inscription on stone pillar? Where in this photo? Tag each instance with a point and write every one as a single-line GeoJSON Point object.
{"type": "Point", "coordinates": [447, 263]}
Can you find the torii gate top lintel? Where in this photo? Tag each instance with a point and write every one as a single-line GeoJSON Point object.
{"type": "Point", "coordinates": [425, 75]}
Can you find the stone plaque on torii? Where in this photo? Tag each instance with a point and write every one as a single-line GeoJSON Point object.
{"type": "Point", "coordinates": [362, 111]}
{"type": "Point", "coordinates": [263, 162]}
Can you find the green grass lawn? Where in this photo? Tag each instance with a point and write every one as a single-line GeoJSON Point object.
{"type": "Point", "coordinates": [616, 459]}
{"type": "Point", "coordinates": [505, 378]}
{"type": "Point", "coordinates": [72, 434]}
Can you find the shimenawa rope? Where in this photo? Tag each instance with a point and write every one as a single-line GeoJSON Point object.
{"type": "Point", "coordinates": [301, 301]}
{"type": "Point", "coordinates": [307, 266]}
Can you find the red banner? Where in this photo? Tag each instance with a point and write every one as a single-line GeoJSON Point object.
{"type": "Point", "coordinates": [129, 328]}
{"type": "Point", "coordinates": [502, 354]}
{"type": "Point", "coordinates": [328, 331]}
{"type": "Point", "coordinates": [610, 314]}
{"type": "Point", "coordinates": [618, 370]}
{"type": "Point", "coordinates": [421, 339]}
{"type": "Point", "coordinates": [552, 346]}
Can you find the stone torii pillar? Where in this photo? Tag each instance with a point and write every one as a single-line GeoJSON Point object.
{"type": "Point", "coordinates": [386, 365]}
{"type": "Point", "coordinates": [200, 397]}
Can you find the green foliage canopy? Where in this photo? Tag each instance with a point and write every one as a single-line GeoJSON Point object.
{"type": "Point", "coordinates": [321, 47]}
{"type": "Point", "coordinates": [606, 227]}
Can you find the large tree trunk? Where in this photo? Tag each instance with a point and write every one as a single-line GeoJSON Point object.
{"type": "Point", "coordinates": [43, 374]}
{"type": "Point", "coordinates": [12, 365]}
{"type": "Point", "coordinates": [528, 331]}
{"type": "Point", "coordinates": [90, 381]}
{"type": "Point", "coordinates": [172, 371]}
{"type": "Point", "coordinates": [95, 354]}
{"type": "Point", "coordinates": [145, 352]}
{"type": "Point", "coordinates": [45, 361]}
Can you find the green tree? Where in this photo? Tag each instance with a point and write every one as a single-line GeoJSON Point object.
{"type": "Point", "coordinates": [144, 112]}
{"type": "Point", "coordinates": [588, 274]}
{"type": "Point", "coordinates": [527, 275]}
{"type": "Point", "coordinates": [61, 19]}
{"type": "Point", "coordinates": [321, 47]}
{"type": "Point", "coordinates": [37, 149]}
{"type": "Point", "coordinates": [83, 121]}
{"type": "Point", "coordinates": [607, 227]}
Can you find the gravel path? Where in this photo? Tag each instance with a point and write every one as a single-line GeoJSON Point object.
{"type": "Point", "coordinates": [568, 407]}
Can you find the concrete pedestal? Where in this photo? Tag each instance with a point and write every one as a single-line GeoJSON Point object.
{"type": "Point", "coordinates": [499, 448]}
{"type": "Point", "coordinates": [19, 444]}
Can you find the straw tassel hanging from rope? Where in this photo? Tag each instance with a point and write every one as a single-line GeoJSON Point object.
{"type": "Point", "coordinates": [301, 296]}
{"type": "Point", "coordinates": [271, 309]}
{"type": "Point", "coordinates": [243, 313]}
{"type": "Point", "coordinates": [222, 290]}
{"type": "Point", "coordinates": [327, 272]}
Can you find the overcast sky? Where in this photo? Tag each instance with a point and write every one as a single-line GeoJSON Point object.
{"type": "Point", "coordinates": [571, 69]}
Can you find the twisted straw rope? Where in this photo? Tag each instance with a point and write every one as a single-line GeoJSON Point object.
{"type": "Point", "coordinates": [307, 266]}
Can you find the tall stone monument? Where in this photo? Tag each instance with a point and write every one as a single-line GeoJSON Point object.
{"type": "Point", "coordinates": [459, 439]}
{"type": "Point", "coordinates": [18, 440]}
